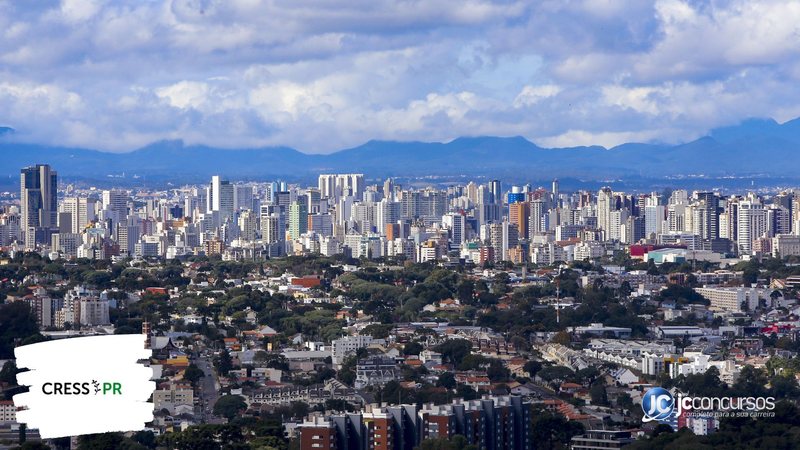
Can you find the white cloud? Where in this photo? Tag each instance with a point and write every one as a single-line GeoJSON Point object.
{"type": "Point", "coordinates": [184, 94]}
{"type": "Point", "coordinates": [640, 99]}
{"type": "Point", "coordinates": [319, 75]}
{"type": "Point", "coordinates": [531, 95]}
{"type": "Point", "coordinates": [79, 10]}
{"type": "Point", "coordinates": [575, 138]}
{"type": "Point", "coordinates": [39, 98]}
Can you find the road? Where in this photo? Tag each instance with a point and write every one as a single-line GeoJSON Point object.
{"type": "Point", "coordinates": [208, 392]}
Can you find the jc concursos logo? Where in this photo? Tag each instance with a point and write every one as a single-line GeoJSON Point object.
{"type": "Point", "coordinates": [657, 404]}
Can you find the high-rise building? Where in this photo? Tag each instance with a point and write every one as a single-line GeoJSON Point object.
{"type": "Point", "coordinates": [243, 197]}
{"type": "Point", "coordinates": [38, 203]}
{"type": "Point", "coordinates": [786, 200]}
{"type": "Point", "coordinates": [80, 210]}
{"type": "Point", "coordinates": [388, 189]}
{"type": "Point", "coordinates": [456, 225]}
{"type": "Point", "coordinates": [493, 423]}
{"type": "Point", "coordinates": [314, 199]}
{"type": "Point", "coordinates": [537, 222]}
{"type": "Point", "coordinates": [273, 230]}
{"type": "Point", "coordinates": [116, 201]}
{"type": "Point", "coordinates": [516, 195]}
{"type": "Point", "coordinates": [363, 214]}
{"type": "Point", "coordinates": [605, 204]}
{"type": "Point", "coordinates": [618, 220]}
{"type": "Point", "coordinates": [676, 217]}
{"type": "Point", "coordinates": [248, 225]}
{"type": "Point", "coordinates": [495, 189]}
{"type": "Point", "coordinates": [752, 224]}
{"type": "Point", "coordinates": [221, 198]}
{"type": "Point", "coordinates": [519, 214]}
{"type": "Point", "coordinates": [321, 224]}
{"type": "Point", "coordinates": [341, 185]}
{"type": "Point", "coordinates": [708, 203]}
{"type": "Point", "coordinates": [66, 244]}
{"type": "Point", "coordinates": [387, 212]}
{"type": "Point", "coordinates": [93, 311]}
{"type": "Point", "coordinates": [778, 220]}
{"type": "Point", "coordinates": [653, 219]}
{"type": "Point", "coordinates": [127, 234]}
{"type": "Point", "coordinates": [298, 219]}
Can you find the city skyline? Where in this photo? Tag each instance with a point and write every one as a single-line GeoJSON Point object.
{"type": "Point", "coordinates": [399, 224]}
{"type": "Point", "coordinates": [314, 77]}
{"type": "Point", "coordinates": [481, 222]}
{"type": "Point", "coordinates": [381, 315]}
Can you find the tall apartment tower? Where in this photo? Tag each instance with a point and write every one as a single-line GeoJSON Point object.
{"type": "Point", "coordinates": [456, 225]}
{"type": "Point", "coordinates": [708, 202]}
{"type": "Point", "coordinates": [80, 211]}
{"type": "Point", "coordinates": [298, 219]}
{"type": "Point", "coordinates": [605, 204]}
{"type": "Point", "coordinates": [221, 197]}
{"type": "Point", "coordinates": [752, 223]}
{"type": "Point", "coordinates": [496, 192]}
{"type": "Point", "coordinates": [341, 185]}
{"type": "Point", "coordinates": [519, 214]}
{"type": "Point", "coordinates": [38, 203]}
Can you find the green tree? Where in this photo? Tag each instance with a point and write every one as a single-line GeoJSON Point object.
{"type": "Point", "coordinates": [598, 393]}
{"type": "Point", "coordinates": [9, 373]}
{"type": "Point", "coordinates": [412, 348]}
{"type": "Point", "coordinates": [751, 382]}
{"type": "Point", "coordinates": [551, 431]}
{"type": "Point", "coordinates": [562, 337]}
{"type": "Point", "coordinates": [457, 442]}
{"type": "Point", "coordinates": [532, 368]}
{"type": "Point", "coordinates": [32, 445]}
{"type": "Point", "coordinates": [447, 380]}
{"type": "Point", "coordinates": [17, 322]}
{"type": "Point", "coordinates": [223, 362]}
{"type": "Point", "coordinates": [229, 406]}
{"type": "Point", "coordinates": [193, 374]}
{"type": "Point", "coordinates": [103, 441]}
{"type": "Point", "coordinates": [454, 350]}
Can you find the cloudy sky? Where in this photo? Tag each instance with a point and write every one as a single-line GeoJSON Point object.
{"type": "Point", "coordinates": [321, 75]}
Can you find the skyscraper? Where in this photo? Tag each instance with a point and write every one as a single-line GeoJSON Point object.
{"type": "Point", "coordinates": [537, 222]}
{"type": "Point", "coordinates": [341, 185]}
{"type": "Point", "coordinates": [80, 210]}
{"type": "Point", "coordinates": [388, 189]}
{"type": "Point", "coordinates": [456, 226]}
{"type": "Point", "coordinates": [387, 212]}
{"type": "Point", "coordinates": [752, 223]}
{"type": "Point", "coordinates": [38, 203]}
{"type": "Point", "coordinates": [496, 191]}
{"type": "Point", "coordinates": [248, 225]}
{"type": "Point", "coordinates": [298, 219]}
{"type": "Point", "coordinates": [605, 204]}
{"type": "Point", "coordinates": [221, 197]}
{"type": "Point", "coordinates": [709, 203]}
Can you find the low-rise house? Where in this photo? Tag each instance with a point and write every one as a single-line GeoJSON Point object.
{"type": "Point", "coordinates": [375, 371]}
{"type": "Point", "coordinates": [312, 395]}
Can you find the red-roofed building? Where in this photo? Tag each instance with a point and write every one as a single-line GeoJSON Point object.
{"type": "Point", "coordinates": [306, 282]}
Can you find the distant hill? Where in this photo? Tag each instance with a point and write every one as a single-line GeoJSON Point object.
{"type": "Point", "coordinates": [756, 146]}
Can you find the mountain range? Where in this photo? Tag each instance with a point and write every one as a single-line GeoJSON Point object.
{"type": "Point", "coordinates": [755, 146]}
